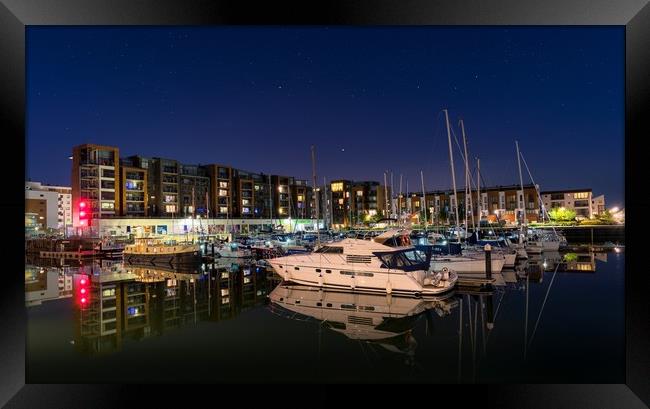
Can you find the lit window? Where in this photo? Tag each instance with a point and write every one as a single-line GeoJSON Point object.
{"type": "Point", "coordinates": [347, 194]}
{"type": "Point", "coordinates": [223, 184]}
{"type": "Point", "coordinates": [301, 198]}
{"type": "Point", "coordinates": [340, 201]}
{"type": "Point", "coordinates": [170, 208]}
{"type": "Point", "coordinates": [359, 192]}
{"type": "Point", "coordinates": [223, 209]}
{"type": "Point", "coordinates": [246, 210]}
{"type": "Point", "coordinates": [245, 202]}
{"type": "Point", "coordinates": [581, 195]}
{"type": "Point", "coordinates": [337, 187]}
{"type": "Point", "coordinates": [108, 206]}
{"type": "Point", "coordinates": [281, 210]}
{"type": "Point", "coordinates": [223, 192]}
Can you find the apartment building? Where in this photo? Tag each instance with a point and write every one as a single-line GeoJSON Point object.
{"type": "Point", "coordinates": [579, 200]}
{"type": "Point", "coordinates": [95, 180]}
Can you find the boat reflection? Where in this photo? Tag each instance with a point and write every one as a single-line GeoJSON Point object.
{"type": "Point", "coordinates": [384, 320]}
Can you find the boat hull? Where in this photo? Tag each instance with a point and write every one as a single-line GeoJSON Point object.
{"type": "Point", "coordinates": [467, 266]}
{"type": "Point", "coordinates": [364, 281]}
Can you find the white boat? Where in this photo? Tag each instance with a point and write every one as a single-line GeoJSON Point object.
{"type": "Point", "coordinates": [232, 250]}
{"type": "Point", "coordinates": [366, 265]}
{"type": "Point", "coordinates": [467, 264]}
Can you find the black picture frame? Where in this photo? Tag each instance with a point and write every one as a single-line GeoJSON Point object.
{"type": "Point", "coordinates": [16, 15]}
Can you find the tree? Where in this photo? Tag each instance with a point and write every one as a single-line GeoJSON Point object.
{"type": "Point", "coordinates": [561, 214]}
{"type": "Point", "coordinates": [606, 217]}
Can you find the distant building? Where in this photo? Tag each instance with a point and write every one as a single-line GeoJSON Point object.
{"type": "Point", "coordinates": [578, 200]}
{"type": "Point", "coordinates": [51, 204]}
{"type": "Point", "coordinates": [496, 203]}
{"type": "Point", "coordinates": [598, 205]}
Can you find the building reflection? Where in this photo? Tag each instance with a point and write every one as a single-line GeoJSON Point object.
{"type": "Point", "coordinates": [128, 302]}
{"type": "Point", "coordinates": [46, 283]}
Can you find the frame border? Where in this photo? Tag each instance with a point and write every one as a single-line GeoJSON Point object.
{"type": "Point", "coordinates": [15, 15]}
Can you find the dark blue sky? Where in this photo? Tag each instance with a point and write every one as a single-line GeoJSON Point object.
{"type": "Point", "coordinates": [369, 98]}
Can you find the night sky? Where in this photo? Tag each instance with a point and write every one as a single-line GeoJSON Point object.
{"type": "Point", "coordinates": [369, 99]}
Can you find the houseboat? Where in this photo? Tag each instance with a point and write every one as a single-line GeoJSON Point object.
{"type": "Point", "coordinates": [161, 251]}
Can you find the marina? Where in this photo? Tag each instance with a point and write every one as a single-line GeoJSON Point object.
{"type": "Point", "coordinates": [217, 314]}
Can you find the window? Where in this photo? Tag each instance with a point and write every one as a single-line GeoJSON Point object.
{"type": "Point", "coordinates": [169, 199]}
{"type": "Point", "coordinates": [223, 192]}
{"type": "Point", "coordinates": [340, 201]}
{"type": "Point", "coordinates": [301, 198]}
{"type": "Point", "coordinates": [170, 208]}
{"type": "Point", "coordinates": [557, 196]}
{"type": "Point", "coordinates": [108, 292]}
{"type": "Point", "coordinates": [359, 192]}
{"type": "Point", "coordinates": [223, 209]}
{"type": "Point", "coordinates": [108, 206]}
{"type": "Point", "coordinates": [581, 195]}
{"type": "Point", "coordinates": [107, 173]}
{"type": "Point", "coordinates": [246, 210]}
{"type": "Point", "coordinates": [245, 202]}
{"type": "Point", "coordinates": [223, 184]}
{"type": "Point", "coordinates": [337, 187]}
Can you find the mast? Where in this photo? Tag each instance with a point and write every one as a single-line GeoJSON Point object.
{"type": "Point", "coordinates": [392, 190]}
{"type": "Point", "coordinates": [399, 200]}
{"type": "Point", "coordinates": [468, 187]}
{"type": "Point", "coordinates": [423, 204]}
{"type": "Point", "coordinates": [315, 192]}
{"type": "Point", "coordinates": [271, 203]}
{"type": "Point", "coordinates": [478, 193]}
{"type": "Point", "coordinates": [521, 182]}
{"type": "Point", "coordinates": [453, 174]}
{"type": "Point", "coordinates": [386, 194]}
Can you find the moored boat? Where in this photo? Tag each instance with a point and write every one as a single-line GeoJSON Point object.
{"type": "Point", "coordinates": [160, 251]}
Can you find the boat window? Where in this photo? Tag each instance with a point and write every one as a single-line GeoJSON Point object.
{"type": "Point", "coordinates": [348, 306]}
{"type": "Point", "coordinates": [296, 268]}
{"type": "Point", "coordinates": [318, 270]}
{"type": "Point", "coordinates": [319, 304]}
{"type": "Point", "coordinates": [365, 274]}
{"type": "Point", "coordinates": [328, 271]}
{"type": "Point", "coordinates": [329, 304]}
{"type": "Point", "coordinates": [330, 249]}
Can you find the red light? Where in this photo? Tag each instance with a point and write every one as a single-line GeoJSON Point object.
{"type": "Point", "coordinates": [82, 204]}
{"type": "Point", "coordinates": [83, 300]}
{"type": "Point", "coordinates": [83, 281]}
{"type": "Point", "coordinates": [83, 291]}
{"type": "Point", "coordinates": [82, 214]}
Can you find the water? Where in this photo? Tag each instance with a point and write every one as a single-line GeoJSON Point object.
{"type": "Point", "coordinates": [220, 326]}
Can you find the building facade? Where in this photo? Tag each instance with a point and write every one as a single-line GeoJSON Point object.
{"type": "Point", "coordinates": [95, 180]}
{"type": "Point", "coordinates": [139, 186]}
{"type": "Point", "coordinates": [51, 204]}
{"type": "Point", "coordinates": [578, 200]}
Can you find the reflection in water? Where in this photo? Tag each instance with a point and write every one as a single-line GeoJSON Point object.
{"type": "Point", "coordinates": [505, 333]}
{"type": "Point", "coordinates": [130, 301]}
{"type": "Point", "coordinates": [385, 320]}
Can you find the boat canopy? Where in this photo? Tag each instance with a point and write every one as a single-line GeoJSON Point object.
{"type": "Point", "coordinates": [406, 260]}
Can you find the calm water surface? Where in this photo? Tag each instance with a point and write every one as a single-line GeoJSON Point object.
{"type": "Point", "coordinates": [235, 322]}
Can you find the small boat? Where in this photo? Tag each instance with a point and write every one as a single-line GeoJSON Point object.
{"type": "Point", "coordinates": [366, 265]}
{"type": "Point", "coordinates": [161, 251]}
{"type": "Point", "coordinates": [232, 250]}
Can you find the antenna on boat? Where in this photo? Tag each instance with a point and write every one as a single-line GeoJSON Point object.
{"type": "Point", "coordinates": [423, 204]}
{"type": "Point", "coordinates": [478, 193]}
{"type": "Point", "coordinates": [453, 174]}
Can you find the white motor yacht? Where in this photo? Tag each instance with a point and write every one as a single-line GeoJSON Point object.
{"type": "Point", "coordinates": [366, 265]}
